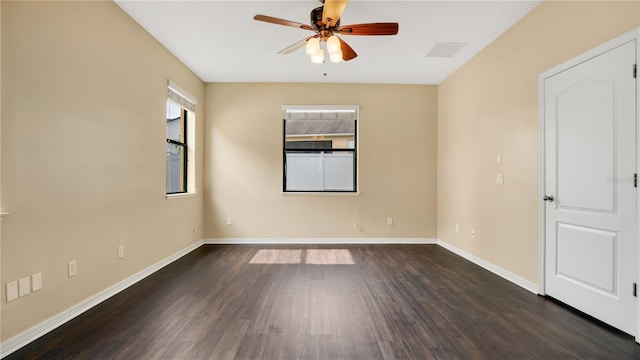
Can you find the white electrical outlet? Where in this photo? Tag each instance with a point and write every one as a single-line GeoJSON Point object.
{"type": "Point", "coordinates": [120, 251]}
{"type": "Point", "coordinates": [36, 282]}
{"type": "Point", "coordinates": [229, 221]}
{"type": "Point", "coordinates": [389, 221]}
{"type": "Point", "coordinates": [73, 268]}
{"type": "Point", "coordinates": [12, 291]}
{"type": "Point", "coordinates": [499, 178]}
{"type": "Point", "coordinates": [24, 287]}
{"type": "Point", "coordinates": [473, 233]}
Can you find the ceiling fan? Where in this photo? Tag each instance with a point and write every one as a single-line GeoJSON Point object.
{"type": "Point", "coordinates": [325, 22]}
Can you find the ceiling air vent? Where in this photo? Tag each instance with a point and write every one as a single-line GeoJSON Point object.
{"type": "Point", "coordinates": [446, 49]}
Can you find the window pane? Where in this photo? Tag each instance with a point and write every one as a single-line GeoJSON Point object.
{"type": "Point", "coordinates": [320, 171]}
{"type": "Point", "coordinates": [304, 172]}
{"type": "Point", "coordinates": [175, 168]}
{"type": "Point", "coordinates": [339, 133]}
{"type": "Point", "coordinates": [175, 123]}
{"type": "Point", "coordinates": [338, 171]}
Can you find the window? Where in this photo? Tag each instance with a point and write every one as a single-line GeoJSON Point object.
{"type": "Point", "coordinates": [180, 140]}
{"type": "Point", "coordinates": [320, 149]}
{"type": "Point", "coordinates": [176, 148]}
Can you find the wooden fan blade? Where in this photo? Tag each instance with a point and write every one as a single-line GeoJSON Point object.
{"type": "Point", "coordinates": [294, 47]}
{"type": "Point", "coordinates": [347, 52]}
{"type": "Point", "coordinates": [369, 29]}
{"type": "Point", "coordinates": [333, 11]}
{"type": "Point", "coordinates": [273, 20]}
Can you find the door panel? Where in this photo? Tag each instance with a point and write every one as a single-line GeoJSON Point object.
{"type": "Point", "coordinates": [586, 139]}
{"type": "Point", "coordinates": [590, 159]}
{"type": "Point", "coordinates": [587, 256]}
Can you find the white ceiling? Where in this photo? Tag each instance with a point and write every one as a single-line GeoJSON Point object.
{"type": "Point", "coordinates": [220, 41]}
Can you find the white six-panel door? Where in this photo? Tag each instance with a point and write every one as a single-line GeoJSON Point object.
{"type": "Point", "coordinates": [590, 207]}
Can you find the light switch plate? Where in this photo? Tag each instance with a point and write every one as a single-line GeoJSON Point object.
{"type": "Point", "coordinates": [12, 291]}
{"type": "Point", "coordinates": [36, 282]}
{"type": "Point", "coordinates": [73, 268]}
{"type": "Point", "coordinates": [24, 287]}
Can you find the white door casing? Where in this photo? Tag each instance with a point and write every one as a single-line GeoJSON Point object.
{"type": "Point", "coordinates": [589, 229]}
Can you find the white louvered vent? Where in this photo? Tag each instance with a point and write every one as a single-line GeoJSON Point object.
{"type": "Point", "coordinates": [446, 49]}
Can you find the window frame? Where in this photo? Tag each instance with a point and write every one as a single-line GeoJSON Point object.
{"type": "Point", "coordinates": [354, 150]}
{"type": "Point", "coordinates": [187, 103]}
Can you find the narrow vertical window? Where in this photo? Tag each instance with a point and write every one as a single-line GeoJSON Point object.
{"type": "Point", "coordinates": [177, 156]}
{"type": "Point", "coordinates": [180, 174]}
{"type": "Point", "coordinates": [320, 149]}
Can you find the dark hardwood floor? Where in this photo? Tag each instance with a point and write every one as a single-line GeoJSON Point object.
{"type": "Point", "coordinates": [396, 302]}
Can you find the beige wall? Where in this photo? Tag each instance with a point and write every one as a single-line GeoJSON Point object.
{"type": "Point", "coordinates": [489, 106]}
{"type": "Point", "coordinates": [397, 163]}
{"type": "Point", "coordinates": [84, 91]}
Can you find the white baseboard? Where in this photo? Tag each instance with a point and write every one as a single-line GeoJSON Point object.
{"type": "Point", "coordinates": [523, 283]}
{"type": "Point", "coordinates": [15, 343]}
{"type": "Point", "coordinates": [275, 241]}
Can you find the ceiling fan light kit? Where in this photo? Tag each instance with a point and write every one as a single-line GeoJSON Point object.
{"type": "Point", "coordinates": [335, 57]}
{"type": "Point", "coordinates": [318, 58]}
{"type": "Point", "coordinates": [325, 22]}
{"type": "Point", "coordinates": [333, 48]}
{"type": "Point", "coordinates": [313, 46]}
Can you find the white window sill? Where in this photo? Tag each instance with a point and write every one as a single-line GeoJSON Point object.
{"type": "Point", "coordinates": [321, 194]}
{"type": "Point", "coordinates": [178, 196]}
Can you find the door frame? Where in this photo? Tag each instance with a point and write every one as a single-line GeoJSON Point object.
{"type": "Point", "coordinates": [598, 50]}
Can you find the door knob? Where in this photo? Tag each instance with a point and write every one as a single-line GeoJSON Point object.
{"type": "Point", "coordinates": [548, 198]}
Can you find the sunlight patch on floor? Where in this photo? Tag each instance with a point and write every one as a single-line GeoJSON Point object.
{"type": "Point", "coordinates": [277, 256]}
{"type": "Point", "coordinates": [313, 257]}
{"type": "Point", "coordinates": [329, 257]}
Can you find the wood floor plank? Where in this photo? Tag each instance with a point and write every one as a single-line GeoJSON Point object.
{"type": "Point", "coordinates": [394, 302]}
